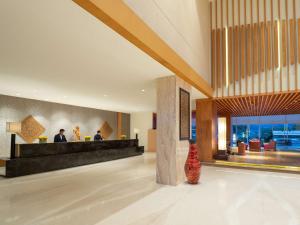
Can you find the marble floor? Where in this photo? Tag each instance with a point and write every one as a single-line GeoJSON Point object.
{"type": "Point", "coordinates": [124, 192]}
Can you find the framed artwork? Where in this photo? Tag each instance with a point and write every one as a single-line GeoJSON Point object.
{"type": "Point", "coordinates": [184, 114]}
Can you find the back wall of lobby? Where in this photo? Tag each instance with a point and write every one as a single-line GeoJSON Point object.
{"type": "Point", "coordinates": [53, 116]}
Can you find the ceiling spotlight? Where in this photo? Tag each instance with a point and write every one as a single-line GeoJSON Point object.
{"type": "Point", "coordinates": [143, 90]}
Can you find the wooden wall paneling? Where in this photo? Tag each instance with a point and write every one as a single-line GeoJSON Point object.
{"type": "Point", "coordinates": [265, 40]}
{"type": "Point", "coordinates": [216, 28]}
{"type": "Point", "coordinates": [298, 23]}
{"type": "Point", "coordinates": [283, 43]}
{"type": "Point", "coordinates": [248, 64]}
{"type": "Point", "coordinates": [287, 43]}
{"type": "Point", "coordinates": [212, 38]}
{"type": "Point", "coordinates": [223, 58]}
{"type": "Point", "coordinates": [280, 50]}
{"type": "Point", "coordinates": [262, 46]}
{"type": "Point", "coordinates": [239, 44]}
{"type": "Point", "coordinates": [236, 53]}
{"type": "Point", "coordinates": [251, 31]}
{"type": "Point", "coordinates": [234, 41]}
{"type": "Point", "coordinates": [213, 58]}
{"type": "Point", "coordinates": [245, 45]}
{"type": "Point", "coordinates": [243, 48]}
{"type": "Point", "coordinates": [230, 55]}
{"type": "Point", "coordinates": [255, 50]}
{"type": "Point", "coordinates": [269, 61]}
{"type": "Point", "coordinates": [222, 55]}
{"type": "Point", "coordinates": [258, 46]}
{"type": "Point", "coordinates": [272, 46]}
{"type": "Point", "coordinates": [295, 44]}
{"type": "Point", "coordinates": [292, 41]}
{"type": "Point", "coordinates": [275, 30]}
{"type": "Point", "coordinates": [218, 58]}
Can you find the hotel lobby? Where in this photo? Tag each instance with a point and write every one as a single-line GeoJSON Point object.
{"type": "Point", "coordinates": [133, 112]}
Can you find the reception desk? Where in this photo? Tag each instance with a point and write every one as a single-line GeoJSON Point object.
{"type": "Point", "coordinates": [38, 158]}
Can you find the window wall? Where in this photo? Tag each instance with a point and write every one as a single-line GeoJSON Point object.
{"type": "Point", "coordinates": [285, 132]}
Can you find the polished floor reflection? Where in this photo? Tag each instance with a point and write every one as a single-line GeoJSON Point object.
{"type": "Point", "coordinates": [124, 192]}
{"type": "Point", "coordinates": [265, 157]}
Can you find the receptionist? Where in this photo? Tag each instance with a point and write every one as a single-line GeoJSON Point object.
{"type": "Point", "coordinates": [98, 136]}
{"type": "Point", "coordinates": [60, 137]}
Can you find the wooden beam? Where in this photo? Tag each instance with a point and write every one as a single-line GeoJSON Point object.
{"type": "Point", "coordinates": [118, 16]}
{"type": "Point", "coordinates": [119, 125]}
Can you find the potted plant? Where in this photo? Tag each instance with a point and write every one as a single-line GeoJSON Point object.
{"type": "Point", "coordinates": [87, 138]}
{"type": "Point", "coordinates": [43, 139]}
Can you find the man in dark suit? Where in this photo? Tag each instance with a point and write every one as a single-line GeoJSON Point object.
{"type": "Point", "coordinates": [60, 137]}
{"type": "Point", "coordinates": [98, 136]}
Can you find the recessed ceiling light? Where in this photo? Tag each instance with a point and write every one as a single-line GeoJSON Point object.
{"type": "Point", "coordinates": [143, 90]}
{"type": "Point", "coordinates": [105, 95]}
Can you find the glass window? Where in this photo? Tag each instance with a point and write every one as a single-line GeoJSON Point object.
{"type": "Point", "coordinates": [253, 131]}
{"type": "Point", "coordinates": [266, 133]}
{"type": "Point", "coordinates": [293, 136]}
{"type": "Point", "coordinates": [242, 133]}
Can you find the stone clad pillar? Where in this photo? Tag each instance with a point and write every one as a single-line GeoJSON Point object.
{"type": "Point", "coordinates": [206, 129]}
{"type": "Point", "coordinates": [171, 152]}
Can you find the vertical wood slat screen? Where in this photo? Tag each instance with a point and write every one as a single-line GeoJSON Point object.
{"type": "Point", "coordinates": [218, 58]}
{"type": "Point", "coordinates": [248, 64]}
{"type": "Point", "coordinates": [230, 55]}
{"type": "Point", "coordinates": [236, 53]}
{"type": "Point", "coordinates": [262, 46]}
{"type": "Point", "coordinates": [275, 35]}
{"type": "Point", "coordinates": [269, 45]}
{"type": "Point", "coordinates": [292, 42]}
{"type": "Point", "coordinates": [224, 57]}
{"type": "Point", "coordinates": [283, 44]}
{"type": "Point", "coordinates": [254, 49]}
{"type": "Point", "coordinates": [243, 48]}
{"type": "Point", "coordinates": [213, 58]}
{"type": "Point", "coordinates": [298, 40]}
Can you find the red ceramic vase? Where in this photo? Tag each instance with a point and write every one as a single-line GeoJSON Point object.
{"type": "Point", "coordinates": [192, 164]}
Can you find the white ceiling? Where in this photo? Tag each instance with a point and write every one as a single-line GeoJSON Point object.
{"type": "Point", "coordinates": [53, 50]}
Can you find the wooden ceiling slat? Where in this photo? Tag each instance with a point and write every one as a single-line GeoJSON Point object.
{"type": "Point", "coordinates": [260, 104]}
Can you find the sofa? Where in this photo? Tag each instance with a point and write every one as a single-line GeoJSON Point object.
{"type": "Point", "coordinates": [254, 145]}
{"type": "Point", "coordinates": [271, 146]}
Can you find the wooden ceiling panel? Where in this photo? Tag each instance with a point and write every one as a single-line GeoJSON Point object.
{"type": "Point", "coordinates": [260, 105]}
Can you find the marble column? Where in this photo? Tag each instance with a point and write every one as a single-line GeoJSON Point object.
{"type": "Point", "coordinates": [206, 129]}
{"type": "Point", "coordinates": [171, 152]}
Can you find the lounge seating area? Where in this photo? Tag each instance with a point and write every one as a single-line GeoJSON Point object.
{"type": "Point", "coordinates": [255, 145]}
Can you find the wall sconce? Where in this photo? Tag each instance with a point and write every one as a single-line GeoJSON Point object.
{"type": "Point", "coordinates": [222, 133]}
{"type": "Point", "coordinates": [13, 128]}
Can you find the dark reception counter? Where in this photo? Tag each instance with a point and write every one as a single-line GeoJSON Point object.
{"type": "Point", "coordinates": [38, 158]}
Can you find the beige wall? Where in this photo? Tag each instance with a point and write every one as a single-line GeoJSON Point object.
{"type": "Point", "coordinates": [52, 116]}
{"type": "Point", "coordinates": [183, 25]}
{"type": "Point", "coordinates": [143, 122]}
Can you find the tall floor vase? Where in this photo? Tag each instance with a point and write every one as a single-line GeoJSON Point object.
{"type": "Point", "coordinates": [192, 165]}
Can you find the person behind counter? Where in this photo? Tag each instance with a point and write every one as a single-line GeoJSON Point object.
{"type": "Point", "coordinates": [98, 136]}
{"type": "Point", "coordinates": [60, 137]}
